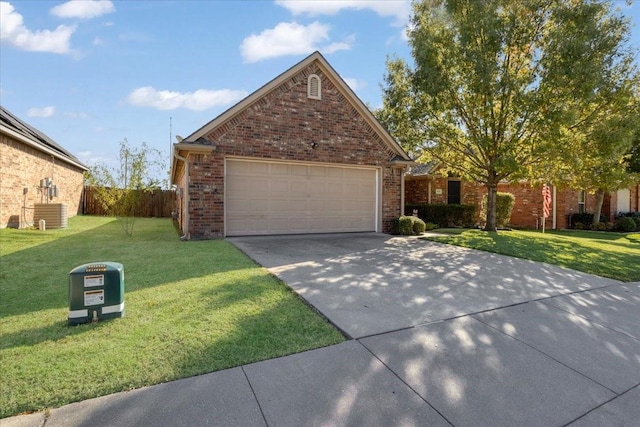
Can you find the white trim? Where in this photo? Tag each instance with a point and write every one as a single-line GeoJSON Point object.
{"type": "Point", "coordinates": [40, 147]}
{"type": "Point", "coordinates": [318, 89]}
{"type": "Point", "coordinates": [113, 308]}
{"type": "Point", "coordinates": [299, 162]}
{"type": "Point", "coordinates": [74, 314]}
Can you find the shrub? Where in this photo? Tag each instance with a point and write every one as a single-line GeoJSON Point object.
{"type": "Point", "coordinates": [444, 215]}
{"type": "Point", "coordinates": [418, 226]}
{"type": "Point", "coordinates": [586, 219]}
{"type": "Point", "coordinates": [408, 226]}
{"type": "Point", "coordinates": [395, 226]}
{"type": "Point", "coordinates": [430, 226]}
{"type": "Point", "coordinates": [634, 215]}
{"type": "Point", "coordinates": [578, 226]}
{"type": "Point", "coordinates": [601, 226]}
{"type": "Point", "coordinates": [625, 224]}
{"type": "Point", "coordinates": [405, 225]}
{"type": "Point", "coordinates": [504, 207]}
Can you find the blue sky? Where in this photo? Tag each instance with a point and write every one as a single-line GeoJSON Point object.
{"type": "Point", "coordinates": [90, 73]}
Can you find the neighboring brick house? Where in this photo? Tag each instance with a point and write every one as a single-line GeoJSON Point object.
{"type": "Point", "coordinates": [27, 156]}
{"type": "Point", "coordinates": [302, 154]}
{"type": "Point", "coordinates": [424, 185]}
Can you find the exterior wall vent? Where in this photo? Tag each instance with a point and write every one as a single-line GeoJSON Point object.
{"type": "Point", "coordinates": [314, 87]}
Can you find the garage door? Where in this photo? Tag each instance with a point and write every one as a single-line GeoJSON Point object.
{"type": "Point", "coordinates": [291, 198]}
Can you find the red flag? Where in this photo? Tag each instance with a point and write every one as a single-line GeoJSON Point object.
{"type": "Point", "coordinates": [546, 201]}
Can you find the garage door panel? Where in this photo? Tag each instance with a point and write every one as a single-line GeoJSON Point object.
{"type": "Point", "coordinates": [273, 169]}
{"type": "Point", "coordinates": [335, 173]}
{"type": "Point", "coordinates": [287, 198]}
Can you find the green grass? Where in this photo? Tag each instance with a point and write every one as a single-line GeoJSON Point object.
{"type": "Point", "coordinates": [191, 308]}
{"type": "Point", "coordinates": [612, 255]}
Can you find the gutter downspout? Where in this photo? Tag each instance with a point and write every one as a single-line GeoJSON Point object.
{"type": "Point", "coordinates": [555, 209]}
{"type": "Point", "coordinates": [186, 194]}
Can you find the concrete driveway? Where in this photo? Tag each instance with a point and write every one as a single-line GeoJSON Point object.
{"type": "Point", "coordinates": [367, 284]}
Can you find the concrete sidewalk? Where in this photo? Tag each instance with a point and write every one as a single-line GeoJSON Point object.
{"type": "Point", "coordinates": [562, 349]}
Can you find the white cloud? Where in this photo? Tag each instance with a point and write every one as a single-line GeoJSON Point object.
{"type": "Point", "coordinates": [83, 9]}
{"type": "Point", "coordinates": [398, 9]}
{"type": "Point", "coordinates": [13, 32]}
{"type": "Point", "coordinates": [290, 38]}
{"type": "Point", "coordinates": [97, 41]}
{"type": "Point", "coordinates": [354, 84]}
{"type": "Point", "coordinates": [199, 100]}
{"type": "Point", "coordinates": [41, 112]}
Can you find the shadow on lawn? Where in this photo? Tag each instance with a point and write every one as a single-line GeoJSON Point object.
{"type": "Point", "coordinates": [561, 250]}
{"type": "Point", "coordinates": [52, 332]}
{"type": "Point", "coordinates": [37, 278]}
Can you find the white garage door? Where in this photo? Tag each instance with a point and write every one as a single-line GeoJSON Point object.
{"type": "Point", "coordinates": [291, 198]}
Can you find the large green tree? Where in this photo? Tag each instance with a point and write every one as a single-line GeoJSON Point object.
{"type": "Point", "coordinates": [498, 87]}
{"type": "Point", "coordinates": [596, 159]}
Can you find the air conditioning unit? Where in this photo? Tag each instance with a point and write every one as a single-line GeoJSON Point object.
{"type": "Point", "coordinates": [54, 214]}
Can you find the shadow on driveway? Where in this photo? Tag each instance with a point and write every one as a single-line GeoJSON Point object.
{"type": "Point", "coordinates": [368, 283]}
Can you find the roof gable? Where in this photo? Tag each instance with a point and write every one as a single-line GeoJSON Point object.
{"type": "Point", "coordinates": [10, 124]}
{"type": "Point", "coordinates": [262, 92]}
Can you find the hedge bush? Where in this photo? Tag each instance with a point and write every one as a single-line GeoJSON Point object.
{"type": "Point", "coordinates": [444, 215]}
{"type": "Point", "coordinates": [585, 219]}
{"type": "Point", "coordinates": [634, 215]}
{"type": "Point", "coordinates": [504, 208]}
{"type": "Point", "coordinates": [625, 224]}
{"type": "Point", "coordinates": [408, 226]}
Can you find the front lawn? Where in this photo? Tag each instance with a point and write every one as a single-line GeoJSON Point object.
{"type": "Point", "coordinates": [604, 254]}
{"type": "Point", "coordinates": [191, 308]}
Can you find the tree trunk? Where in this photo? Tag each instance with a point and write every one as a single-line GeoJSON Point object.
{"type": "Point", "coordinates": [598, 210]}
{"type": "Point", "coordinates": [492, 190]}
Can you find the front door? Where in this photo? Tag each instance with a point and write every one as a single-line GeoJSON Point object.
{"type": "Point", "coordinates": [453, 192]}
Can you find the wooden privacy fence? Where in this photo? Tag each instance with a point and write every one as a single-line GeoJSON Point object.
{"type": "Point", "coordinates": [153, 204]}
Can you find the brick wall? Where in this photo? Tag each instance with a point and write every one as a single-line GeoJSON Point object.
{"type": "Point", "coordinates": [23, 167]}
{"type": "Point", "coordinates": [281, 126]}
{"type": "Point", "coordinates": [417, 190]}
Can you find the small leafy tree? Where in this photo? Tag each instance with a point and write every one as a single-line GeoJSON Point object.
{"type": "Point", "coordinates": [120, 191]}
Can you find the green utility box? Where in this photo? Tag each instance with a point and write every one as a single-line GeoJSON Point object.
{"type": "Point", "coordinates": [96, 292]}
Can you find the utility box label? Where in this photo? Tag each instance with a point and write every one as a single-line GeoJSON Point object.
{"type": "Point", "coordinates": [97, 280]}
{"type": "Point", "coordinates": [94, 297]}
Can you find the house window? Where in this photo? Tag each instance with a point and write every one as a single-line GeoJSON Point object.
{"type": "Point", "coordinates": [453, 192]}
{"type": "Point", "coordinates": [582, 195]}
{"type": "Point", "coordinates": [314, 87]}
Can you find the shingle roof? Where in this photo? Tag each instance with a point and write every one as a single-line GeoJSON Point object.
{"type": "Point", "coordinates": [423, 169]}
{"type": "Point", "coordinates": [10, 121]}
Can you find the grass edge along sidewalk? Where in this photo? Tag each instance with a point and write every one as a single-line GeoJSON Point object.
{"type": "Point", "coordinates": [191, 308]}
{"type": "Point", "coordinates": [612, 255]}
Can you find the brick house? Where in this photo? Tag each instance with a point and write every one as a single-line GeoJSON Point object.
{"type": "Point", "coordinates": [423, 184]}
{"type": "Point", "coordinates": [28, 156]}
{"type": "Point", "coordinates": [302, 154]}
